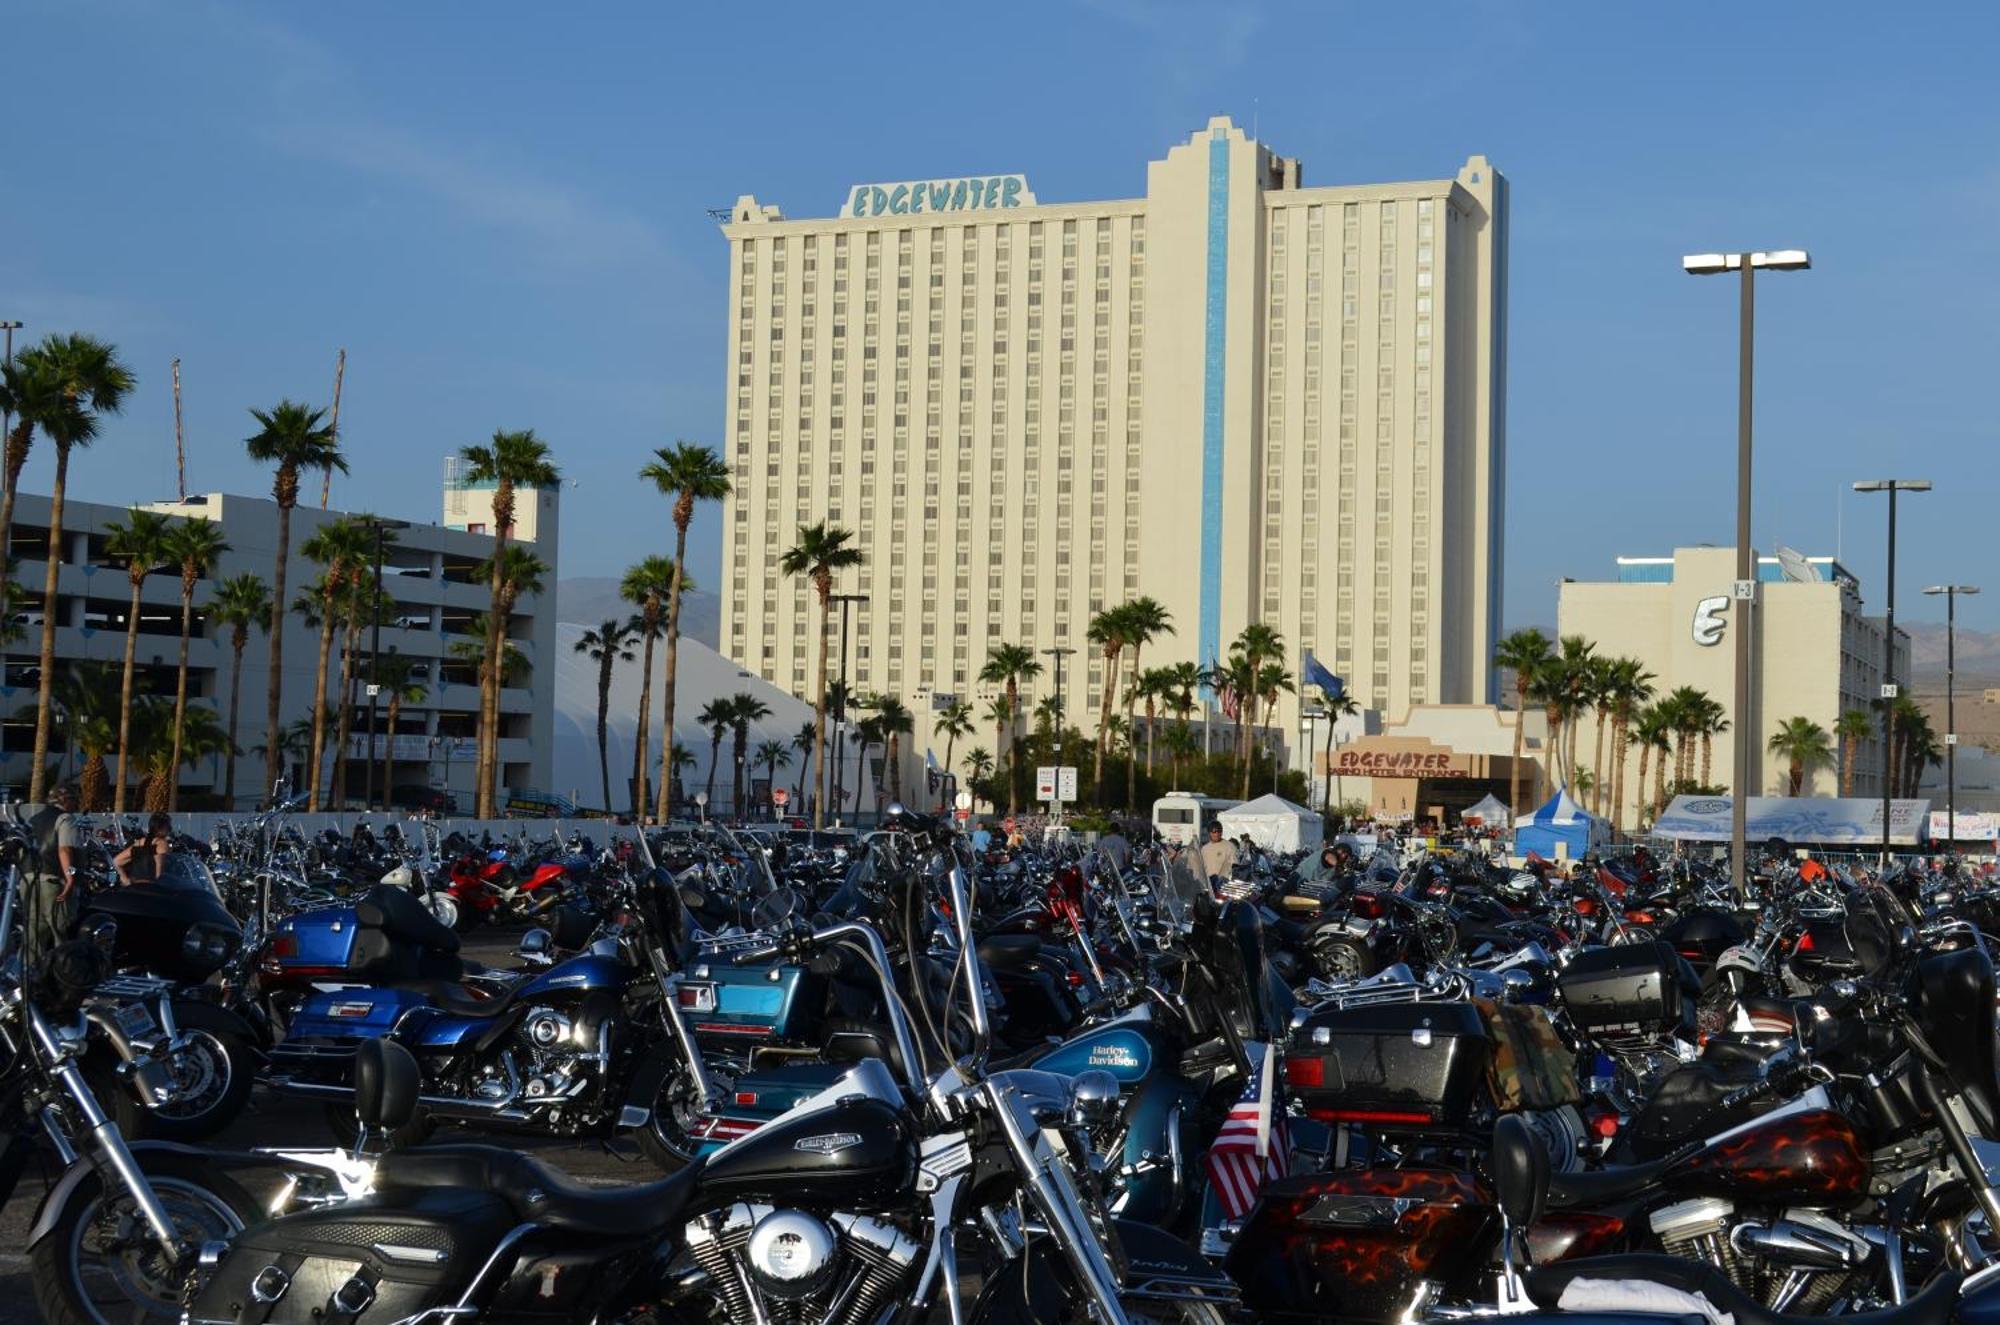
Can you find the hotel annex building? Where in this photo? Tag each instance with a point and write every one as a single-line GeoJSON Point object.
{"type": "Point", "coordinates": [1250, 399]}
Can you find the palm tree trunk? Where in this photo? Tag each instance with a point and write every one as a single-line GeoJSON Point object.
{"type": "Point", "coordinates": [16, 459]}
{"type": "Point", "coordinates": [1597, 765]}
{"type": "Point", "coordinates": [1707, 753]}
{"type": "Point", "coordinates": [672, 680]}
{"type": "Point", "coordinates": [125, 700]}
{"type": "Point", "coordinates": [39, 779]}
{"type": "Point", "coordinates": [736, 751]}
{"type": "Point", "coordinates": [1151, 732]}
{"type": "Point", "coordinates": [1013, 755]}
{"type": "Point", "coordinates": [1520, 734]}
{"type": "Point", "coordinates": [895, 767]}
{"type": "Point", "coordinates": [274, 756]}
{"type": "Point", "coordinates": [235, 695]}
{"type": "Point", "coordinates": [1621, 754]}
{"type": "Point", "coordinates": [313, 783]}
{"type": "Point", "coordinates": [603, 720]}
{"type": "Point", "coordinates": [181, 694]}
{"type": "Point", "coordinates": [389, 742]}
{"type": "Point", "coordinates": [644, 736]}
{"type": "Point", "coordinates": [714, 758]}
{"type": "Point", "coordinates": [1645, 753]}
{"type": "Point", "coordinates": [1103, 721]}
{"type": "Point", "coordinates": [343, 727]}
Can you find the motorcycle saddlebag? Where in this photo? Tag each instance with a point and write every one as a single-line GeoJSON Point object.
{"type": "Point", "coordinates": [1395, 1067]}
{"type": "Point", "coordinates": [418, 1254]}
{"type": "Point", "coordinates": [1634, 989]}
{"type": "Point", "coordinates": [335, 1020]}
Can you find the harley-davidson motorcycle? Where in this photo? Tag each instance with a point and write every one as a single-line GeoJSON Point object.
{"type": "Point", "coordinates": [810, 1219]}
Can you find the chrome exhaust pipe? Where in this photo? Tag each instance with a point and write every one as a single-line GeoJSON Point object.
{"type": "Point", "coordinates": [446, 1106]}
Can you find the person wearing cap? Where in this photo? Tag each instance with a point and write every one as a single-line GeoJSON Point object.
{"type": "Point", "coordinates": [1218, 854]}
{"type": "Point", "coordinates": [53, 902]}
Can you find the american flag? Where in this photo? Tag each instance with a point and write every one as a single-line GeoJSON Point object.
{"type": "Point", "coordinates": [1231, 703]}
{"type": "Point", "coordinates": [1254, 1143]}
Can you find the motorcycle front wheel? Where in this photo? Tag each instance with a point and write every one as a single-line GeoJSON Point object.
{"type": "Point", "coordinates": [99, 1263]}
{"type": "Point", "coordinates": [212, 1075]}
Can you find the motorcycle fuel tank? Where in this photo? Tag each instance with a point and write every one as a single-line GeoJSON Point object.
{"type": "Point", "coordinates": [855, 1151]}
{"type": "Point", "coordinates": [1124, 1048]}
{"type": "Point", "coordinates": [578, 973]}
{"type": "Point", "coordinates": [1813, 1157]}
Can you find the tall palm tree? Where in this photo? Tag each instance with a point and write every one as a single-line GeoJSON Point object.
{"type": "Point", "coordinates": [1257, 644]}
{"type": "Point", "coordinates": [1000, 712]}
{"type": "Point", "coordinates": [1713, 722]}
{"type": "Point", "coordinates": [607, 646]}
{"type": "Point", "coordinates": [867, 732]}
{"type": "Point", "coordinates": [31, 390]}
{"type": "Point", "coordinates": [292, 437]}
{"type": "Point", "coordinates": [772, 755]}
{"type": "Point", "coordinates": [1803, 744]}
{"type": "Point", "coordinates": [141, 544]}
{"type": "Point", "coordinates": [1523, 653]}
{"type": "Point", "coordinates": [680, 763]}
{"type": "Point", "coordinates": [1007, 665]}
{"type": "Point", "coordinates": [715, 717]}
{"type": "Point", "coordinates": [1145, 621]}
{"type": "Point", "coordinates": [822, 550]}
{"type": "Point", "coordinates": [646, 584]}
{"type": "Point", "coordinates": [519, 572]}
{"type": "Point", "coordinates": [689, 473]}
{"type": "Point", "coordinates": [194, 544]}
{"type": "Point", "coordinates": [159, 767]}
{"type": "Point", "coordinates": [744, 709]}
{"type": "Point", "coordinates": [510, 461]}
{"type": "Point", "coordinates": [1110, 630]}
{"type": "Point", "coordinates": [894, 721]}
{"type": "Point", "coordinates": [342, 548]}
{"type": "Point", "coordinates": [83, 692]}
{"type": "Point", "coordinates": [802, 741]}
{"type": "Point", "coordinates": [1272, 679]}
{"type": "Point", "coordinates": [1851, 728]}
{"type": "Point", "coordinates": [978, 767]}
{"type": "Point", "coordinates": [952, 722]}
{"type": "Point", "coordinates": [240, 603]}
{"type": "Point", "coordinates": [1149, 687]}
{"type": "Point", "coordinates": [840, 703]}
{"type": "Point", "coordinates": [91, 382]}
{"type": "Point", "coordinates": [396, 673]}
{"type": "Point", "coordinates": [1627, 686]}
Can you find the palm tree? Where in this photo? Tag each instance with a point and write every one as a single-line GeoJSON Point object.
{"type": "Point", "coordinates": [1802, 744]}
{"type": "Point", "coordinates": [1236, 678]}
{"type": "Point", "coordinates": [1627, 686]}
{"type": "Point", "coordinates": [840, 701]}
{"type": "Point", "coordinates": [240, 602]}
{"type": "Point", "coordinates": [1146, 620]}
{"type": "Point", "coordinates": [1272, 678]}
{"type": "Point", "coordinates": [1256, 644]}
{"type": "Point", "coordinates": [1000, 712]}
{"type": "Point", "coordinates": [867, 732]}
{"type": "Point", "coordinates": [91, 382]}
{"type": "Point", "coordinates": [1851, 728]}
{"type": "Point", "coordinates": [359, 602]}
{"type": "Point", "coordinates": [1148, 687]}
{"type": "Point", "coordinates": [31, 390]}
{"type": "Point", "coordinates": [715, 717]}
{"type": "Point", "coordinates": [802, 741]}
{"type": "Point", "coordinates": [646, 585]}
{"type": "Point", "coordinates": [396, 673]}
{"type": "Point", "coordinates": [772, 755]}
{"type": "Point", "coordinates": [83, 693]}
{"type": "Point", "coordinates": [341, 547]}
{"type": "Point", "coordinates": [1008, 665]}
{"type": "Point", "coordinates": [1523, 653]}
{"type": "Point", "coordinates": [690, 474]}
{"type": "Point", "coordinates": [512, 460]}
{"type": "Point", "coordinates": [1714, 722]}
{"type": "Point", "coordinates": [292, 437]}
{"type": "Point", "coordinates": [952, 722]}
{"type": "Point", "coordinates": [1110, 630]}
{"type": "Point", "coordinates": [744, 709]}
{"type": "Point", "coordinates": [607, 646]}
{"type": "Point", "coordinates": [158, 765]}
{"type": "Point", "coordinates": [1182, 744]}
{"type": "Point", "coordinates": [141, 545]}
{"type": "Point", "coordinates": [978, 765]}
{"type": "Point", "coordinates": [195, 544]}
{"type": "Point", "coordinates": [516, 571]}
{"type": "Point", "coordinates": [894, 721]}
{"type": "Point", "coordinates": [822, 549]}
{"type": "Point", "coordinates": [1597, 695]}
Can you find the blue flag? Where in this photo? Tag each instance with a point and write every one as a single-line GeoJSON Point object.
{"type": "Point", "coordinates": [1316, 674]}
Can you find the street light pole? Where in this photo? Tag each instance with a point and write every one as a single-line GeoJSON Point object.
{"type": "Point", "coordinates": [1744, 591]}
{"type": "Point", "coordinates": [1951, 593]}
{"type": "Point", "coordinates": [1889, 692]}
{"type": "Point", "coordinates": [378, 525]}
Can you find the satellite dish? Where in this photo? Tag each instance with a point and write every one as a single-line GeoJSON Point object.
{"type": "Point", "coordinates": [1796, 568]}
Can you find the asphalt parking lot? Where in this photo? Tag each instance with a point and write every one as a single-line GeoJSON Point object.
{"type": "Point", "coordinates": [269, 1121]}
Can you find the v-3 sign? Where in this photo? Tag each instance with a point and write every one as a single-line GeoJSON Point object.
{"type": "Point", "coordinates": [1710, 618]}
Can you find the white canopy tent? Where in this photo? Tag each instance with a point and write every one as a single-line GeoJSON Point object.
{"type": "Point", "coordinates": [1491, 812]}
{"type": "Point", "coordinates": [1274, 823]}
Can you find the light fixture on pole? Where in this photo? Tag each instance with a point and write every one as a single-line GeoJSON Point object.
{"type": "Point", "coordinates": [1744, 592]}
{"type": "Point", "coordinates": [1951, 593]}
{"type": "Point", "coordinates": [1889, 692]}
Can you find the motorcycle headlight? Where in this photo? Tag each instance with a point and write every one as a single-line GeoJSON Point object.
{"type": "Point", "coordinates": [1093, 1098]}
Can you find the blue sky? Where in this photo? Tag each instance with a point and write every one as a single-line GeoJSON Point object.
{"type": "Point", "coordinates": [499, 210]}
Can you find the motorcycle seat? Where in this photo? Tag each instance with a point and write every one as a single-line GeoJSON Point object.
{"type": "Point", "coordinates": [453, 997]}
{"type": "Point", "coordinates": [1009, 950]}
{"type": "Point", "coordinates": [1777, 1016]}
{"type": "Point", "coordinates": [544, 1195]}
{"type": "Point", "coordinates": [1934, 1306]}
{"type": "Point", "coordinates": [1593, 1187]}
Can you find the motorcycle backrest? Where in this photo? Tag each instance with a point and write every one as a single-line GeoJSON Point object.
{"type": "Point", "coordinates": [1520, 1171]}
{"type": "Point", "coordinates": [386, 1085]}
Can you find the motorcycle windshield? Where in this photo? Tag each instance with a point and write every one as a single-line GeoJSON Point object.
{"type": "Point", "coordinates": [184, 871]}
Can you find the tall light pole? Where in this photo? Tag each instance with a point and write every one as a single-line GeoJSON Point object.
{"type": "Point", "coordinates": [1059, 657]}
{"type": "Point", "coordinates": [1889, 692]}
{"type": "Point", "coordinates": [840, 712]}
{"type": "Point", "coordinates": [1744, 591]}
{"type": "Point", "coordinates": [377, 524]}
{"type": "Point", "coordinates": [1951, 593]}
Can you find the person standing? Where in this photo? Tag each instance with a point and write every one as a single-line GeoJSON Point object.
{"type": "Point", "coordinates": [53, 901]}
{"type": "Point", "coordinates": [143, 859]}
{"type": "Point", "coordinates": [1218, 854]}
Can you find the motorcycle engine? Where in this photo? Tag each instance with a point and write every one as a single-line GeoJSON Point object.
{"type": "Point", "coordinates": [1800, 1262]}
{"type": "Point", "coordinates": [555, 1052]}
{"type": "Point", "coordinates": [792, 1267]}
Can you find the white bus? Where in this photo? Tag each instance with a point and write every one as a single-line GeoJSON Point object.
{"type": "Point", "coordinates": [1183, 817]}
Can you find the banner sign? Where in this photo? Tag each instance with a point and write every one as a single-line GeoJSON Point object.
{"type": "Point", "coordinates": [1804, 820]}
{"type": "Point", "coordinates": [1400, 757]}
{"type": "Point", "coordinates": [977, 193]}
{"type": "Point", "coordinates": [1973, 826]}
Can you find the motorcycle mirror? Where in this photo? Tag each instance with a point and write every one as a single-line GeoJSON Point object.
{"type": "Point", "coordinates": [537, 948]}
{"type": "Point", "coordinates": [1093, 1098]}
{"type": "Point", "coordinates": [386, 1083]}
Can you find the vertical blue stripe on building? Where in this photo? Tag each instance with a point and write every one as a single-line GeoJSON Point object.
{"type": "Point", "coordinates": [1215, 332]}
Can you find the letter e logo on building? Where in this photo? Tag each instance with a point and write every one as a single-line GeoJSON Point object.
{"type": "Point", "coordinates": [1709, 621]}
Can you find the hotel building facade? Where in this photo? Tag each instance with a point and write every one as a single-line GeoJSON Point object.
{"type": "Point", "coordinates": [1249, 399]}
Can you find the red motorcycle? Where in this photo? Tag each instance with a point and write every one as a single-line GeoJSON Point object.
{"type": "Point", "coordinates": [490, 889]}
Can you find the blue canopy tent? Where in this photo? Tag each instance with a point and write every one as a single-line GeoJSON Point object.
{"type": "Point", "coordinates": [1559, 827]}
